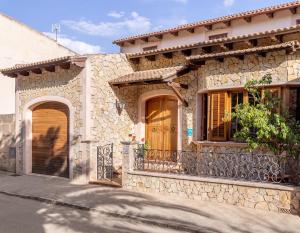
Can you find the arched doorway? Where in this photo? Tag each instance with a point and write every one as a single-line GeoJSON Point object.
{"type": "Point", "coordinates": [50, 139]}
{"type": "Point", "coordinates": [161, 123]}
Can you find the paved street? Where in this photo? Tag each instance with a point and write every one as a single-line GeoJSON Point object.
{"type": "Point", "coordinates": [27, 216]}
{"type": "Point", "coordinates": [138, 212]}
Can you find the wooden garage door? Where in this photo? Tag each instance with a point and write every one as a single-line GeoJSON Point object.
{"type": "Point", "coordinates": [50, 149]}
{"type": "Point", "coordinates": [161, 123]}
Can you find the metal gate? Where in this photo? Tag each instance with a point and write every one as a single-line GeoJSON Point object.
{"type": "Point", "coordinates": [105, 162]}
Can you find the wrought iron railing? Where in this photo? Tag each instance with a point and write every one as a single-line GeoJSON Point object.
{"type": "Point", "coordinates": [105, 162]}
{"type": "Point", "coordinates": [239, 166]}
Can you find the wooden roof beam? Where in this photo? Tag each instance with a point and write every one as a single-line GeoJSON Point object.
{"type": "Point", "coordinates": [175, 33]}
{"type": "Point", "coordinates": [145, 39]}
{"type": "Point", "coordinates": [220, 59]}
{"type": "Point", "coordinates": [151, 57]}
{"type": "Point", "coordinates": [191, 30]}
{"type": "Point", "coordinates": [66, 66]}
{"type": "Point", "coordinates": [227, 23]}
{"type": "Point", "coordinates": [12, 75]}
{"type": "Point", "coordinates": [229, 46]}
{"type": "Point", "coordinates": [37, 71]}
{"type": "Point", "coordinates": [135, 60]}
{"type": "Point", "coordinates": [251, 43]}
{"type": "Point", "coordinates": [207, 49]}
{"type": "Point", "coordinates": [159, 37]}
{"type": "Point", "coordinates": [223, 47]}
{"type": "Point", "coordinates": [50, 68]}
{"type": "Point", "coordinates": [24, 73]}
{"type": "Point", "coordinates": [177, 93]}
{"type": "Point", "coordinates": [277, 38]}
{"type": "Point", "coordinates": [248, 19]}
{"type": "Point", "coordinates": [293, 10]}
{"type": "Point", "coordinates": [198, 63]}
{"type": "Point", "coordinates": [270, 15]}
{"type": "Point", "coordinates": [208, 27]}
{"type": "Point", "coordinates": [262, 54]}
{"type": "Point", "coordinates": [168, 55]}
{"type": "Point", "coordinates": [186, 52]}
{"type": "Point", "coordinates": [240, 57]}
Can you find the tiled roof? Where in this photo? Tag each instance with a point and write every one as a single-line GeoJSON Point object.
{"type": "Point", "coordinates": [40, 64]}
{"type": "Point", "coordinates": [216, 41]}
{"type": "Point", "coordinates": [34, 64]}
{"type": "Point", "coordinates": [215, 20]}
{"type": "Point", "coordinates": [147, 75]}
{"type": "Point", "coordinates": [291, 44]}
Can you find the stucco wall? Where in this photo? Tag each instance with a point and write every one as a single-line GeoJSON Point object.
{"type": "Point", "coordinates": [21, 44]}
{"type": "Point", "coordinates": [7, 143]}
{"type": "Point", "coordinates": [65, 84]}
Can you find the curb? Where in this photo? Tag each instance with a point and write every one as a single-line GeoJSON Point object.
{"type": "Point", "coordinates": [174, 226]}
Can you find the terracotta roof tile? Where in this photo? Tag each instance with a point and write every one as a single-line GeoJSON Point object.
{"type": "Point", "coordinates": [215, 20]}
{"type": "Point", "coordinates": [33, 65]}
{"type": "Point", "coordinates": [147, 75]}
{"type": "Point", "coordinates": [215, 41]}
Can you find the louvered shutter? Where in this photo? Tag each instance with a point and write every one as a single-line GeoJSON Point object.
{"type": "Point", "coordinates": [274, 92]}
{"type": "Point", "coordinates": [217, 116]}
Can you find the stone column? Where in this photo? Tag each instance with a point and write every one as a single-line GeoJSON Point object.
{"type": "Point", "coordinates": [127, 160]}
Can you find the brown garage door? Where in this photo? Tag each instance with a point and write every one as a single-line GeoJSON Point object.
{"type": "Point", "coordinates": [50, 149]}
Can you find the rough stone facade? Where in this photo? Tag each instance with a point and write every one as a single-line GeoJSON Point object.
{"type": "Point", "coordinates": [275, 198]}
{"type": "Point", "coordinates": [7, 143]}
{"type": "Point", "coordinates": [108, 123]}
{"type": "Point", "coordinates": [62, 83]}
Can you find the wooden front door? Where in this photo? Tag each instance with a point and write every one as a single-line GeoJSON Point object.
{"type": "Point", "coordinates": [50, 149]}
{"type": "Point", "coordinates": [161, 123]}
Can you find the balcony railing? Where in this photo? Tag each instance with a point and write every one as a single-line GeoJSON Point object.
{"type": "Point", "coordinates": [238, 166]}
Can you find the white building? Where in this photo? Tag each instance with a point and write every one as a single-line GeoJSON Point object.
{"type": "Point", "coordinates": [21, 44]}
{"type": "Point", "coordinates": [254, 21]}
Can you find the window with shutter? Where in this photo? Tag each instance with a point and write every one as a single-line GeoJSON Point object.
{"type": "Point", "coordinates": [273, 93]}
{"type": "Point", "coordinates": [217, 116]}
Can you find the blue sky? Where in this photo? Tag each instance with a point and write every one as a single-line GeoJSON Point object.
{"type": "Point", "coordinates": [90, 26]}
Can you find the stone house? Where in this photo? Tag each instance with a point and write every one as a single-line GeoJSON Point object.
{"type": "Point", "coordinates": [18, 44]}
{"type": "Point", "coordinates": [171, 99]}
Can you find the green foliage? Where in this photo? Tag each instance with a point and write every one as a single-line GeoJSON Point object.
{"type": "Point", "coordinates": [261, 126]}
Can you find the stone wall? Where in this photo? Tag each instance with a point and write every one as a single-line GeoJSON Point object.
{"type": "Point", "coordinates": [214, 75]}
{"type": "Point", "coordinates": [108, 123]}
{"type": "Point", "coordinates": [7, 143]}
{"type": "Point", "coordinates": [277, 198]}
{"type": "Point", "coordinates": [61, 83]}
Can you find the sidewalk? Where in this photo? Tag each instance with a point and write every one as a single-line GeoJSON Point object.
{"type": "Point", "coordinates": [184, 215]}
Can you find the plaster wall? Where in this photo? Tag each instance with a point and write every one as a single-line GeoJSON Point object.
{"type": "Point", "coordinates": [21, 44]}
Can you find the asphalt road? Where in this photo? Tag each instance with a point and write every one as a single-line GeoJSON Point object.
{"type": "Point", "coordinates": [19, 215]}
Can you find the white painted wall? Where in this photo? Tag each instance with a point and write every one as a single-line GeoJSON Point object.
{"type": "Point", "coordinates": [21, 44]}
{"type": "Point", "coordinates": [259, 23]}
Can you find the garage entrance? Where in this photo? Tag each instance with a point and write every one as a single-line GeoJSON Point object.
{"type": "Point", "coordinates": [50, 139]}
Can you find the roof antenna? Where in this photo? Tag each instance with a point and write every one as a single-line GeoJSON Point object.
{"type": "Point", "coordinates": [56, 29]}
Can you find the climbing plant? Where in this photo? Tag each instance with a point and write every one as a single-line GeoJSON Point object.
{"type": "Point", "coordinates": [262, 126]}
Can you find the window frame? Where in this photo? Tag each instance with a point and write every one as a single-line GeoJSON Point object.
{"type": "Point", "coordinates": [227, 122]}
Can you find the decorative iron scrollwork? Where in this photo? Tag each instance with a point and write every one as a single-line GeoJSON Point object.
{"type": "Point", "coordinates": [240, 166]}
{"type": "Point", "coordinates": [105, 162]}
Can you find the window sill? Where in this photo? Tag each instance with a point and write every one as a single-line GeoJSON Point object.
{"type": "Point", "coordinates": [214, 143]}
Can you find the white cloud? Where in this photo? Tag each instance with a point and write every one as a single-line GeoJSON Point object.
{"type": "Point", "coordinates": [116, 14]}
{"type": "Point", "coordinates": [135, 23]}
{"type": "Point", "coordinates": [75, 45]}
{"type": "Point", "coordinates": [228, 3]}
